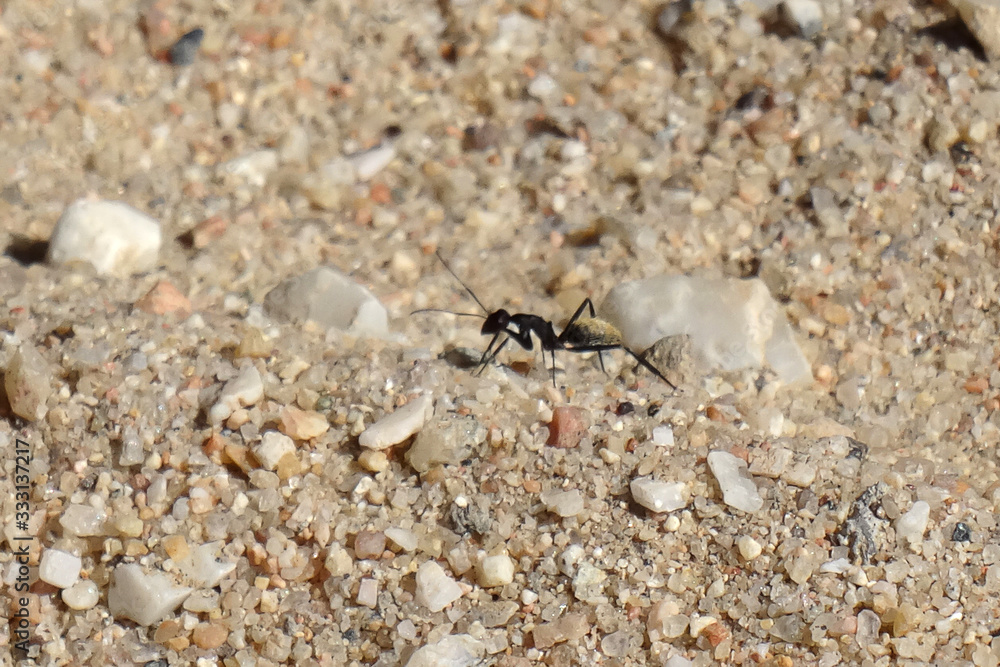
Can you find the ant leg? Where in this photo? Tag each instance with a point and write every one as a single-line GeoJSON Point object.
{"type": "Point", "coordinates": [649, 367]}
{"type": "Point", "coordinates": [489, 354]}
{"type": "Point", "coordinates": [600, 358]}
{"type": "Point", "coordinates": [579, 311]}
{"type": "Point", "coordinates": [553, 350]}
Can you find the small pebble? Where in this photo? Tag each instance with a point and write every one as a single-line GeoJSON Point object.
{"type": "Point", "coordinates": [451, 651]}
{"type": "Point", "coordinates": [27, 383]}
{"type": "Point", "coordinates": [253, 168]}
{"type": "Point", "coordinates": [738, 488]}
{"type": "Point", "coordinates": [186, 48]}
{"type": "Point", "coordinates": [81, 595]}
{"type": "Point", "coordinates": [961, 532]}
{"type": "Point", "coordinates": [568, 426]}
{"type": "Point", "coordinates": [658, 496]}
{"type": "Point", "coordinates": [369, 544]}
{"type": "Point", "coordinates": [563, 503]}
{"type": "Point", "coordinates": [83, 520]}
{"type": "Point", "coordinates": [749, 547]}
{"type": "Point", "coordinates": [399, 425]}
{"type": "Point", "coordinates": [368, 163]}
{"type": "Point", "coordinates": [164, 298]}
{"type": "Point", "coordinates": [209, 636]}
{"type": "Point", "coordinates": [367, 593]}
{"type": "Point", "coordinates": [911, 526]}
{"type": "Point", "coordinates": [245, 389]}
{"type": "Point", "coordinates": [331, 299]}
{"type": "Point", "coordinates": [495, 571]}
{"type": "Point", "coordinates": [114, 237]}
{"type": "Point", "coordinates": [435, 589]}
{"type": "Point", "coordinates": [59, 568]}
{"type": "Point", "coordinates": [273, 446]}
{"type": "Point", "coordinates": [302, 424]}
{"type": "Point", "coordinates": [143, 597]}
{"type": "Point", "coordinates": [404, 539]}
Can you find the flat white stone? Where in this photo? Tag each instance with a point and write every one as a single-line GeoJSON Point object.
{"type": "Point", "coordinates": [738, 488]}
{"type": "Point", "coordinates": [563, 503]}
{"type": "Point", "coordinates": [59, 568]}
{"type": "Point", "coordinates": [404, 539]}
{"type": "Point", "coordinates": [201, 566]}
{"type": "Point", "coordinates": [114, 237]}
{"type": "Point", "coordinates": [330, 299]}
{"type": "Point", "coordinates": [399, 425]}
{"type": "Point", "coordinates": [658, 496]}
{"type": "Point", "coordinates": [435, 589]}
{"type": "Point", "coordinates": [83, 521]}
{"type": "Point", "coordinates": [144, 598]}
{"type": "Point", "coordinates": [732, 323]}
{"type": "Point", "coordinates": [452, 651]}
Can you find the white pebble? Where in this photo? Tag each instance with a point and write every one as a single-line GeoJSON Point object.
{"type": "Point", "coordinates": [452, 651]}
{"type": "Point", "coordinates": [254, 168]}
{"type": "Point", "coordinates": [404, 539]}
{"type": "Point", "coordinates": [397, 426]}
{"type": "Point", "coordinates": [368, 593]}
{"type": "Point", "coordinates": [732, 323]}
{"type": "Point", "coordinates": [144, 598]}
{"type": "Point", "coordinates": [272, 447]}
{"type": "Point", "coordinates": [435, 589]}
{"type": "Point", "coordinates": [749, 547]}
{"type": "Point", "coordinates": [83, 521]}
{"type": "Point", "coordinates": [28, 383]}
{"type": "Point", "coordinates": [911, 526]}
{"type": "Point", "coordinates": [663, 436]}
{"type": "Point", "coordinates": [738, 488]}
{"type": "Point", "coordinates": [245, 389]}
{"type": "Point", "coordinates": [82, 595]}
{"type": "Point", "coordinates": [569, 558]}
{"type": "Point", "coordinates": [563, 503]}
{"type": "Point", "coordinates": [201, 566]}
{"type": "Point", "coordinates": [658, 496]}
{"type": "Point", "coordinates": [114, 237]}
{"type": "Point", "coordinates": [332, 300]}
{"type": "Point", "coordinates": [495, 571]}
{"type": "Point", "coordinates": [59, 568]}
{"type": "Point", "coordinates": [368, 163]}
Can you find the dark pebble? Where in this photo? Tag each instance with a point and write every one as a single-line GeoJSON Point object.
{"type": "Point", "coordinates": [186, 48]}
{"type": "Point", "coordinates": [961, 533]}
{"type": "Point", "coordinates": [625, 408]}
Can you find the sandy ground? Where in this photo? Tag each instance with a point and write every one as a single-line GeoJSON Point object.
{"type": "Point", "coordinates": [550, 150]}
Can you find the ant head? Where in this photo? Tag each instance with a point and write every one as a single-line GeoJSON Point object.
{"type": "Point", "coordinates": [495, 322]}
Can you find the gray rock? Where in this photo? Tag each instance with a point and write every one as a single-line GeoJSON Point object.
{"type": "Point", "coordinates": [331, 299]}
{"type": "Point", "coordinates": [114, 237]}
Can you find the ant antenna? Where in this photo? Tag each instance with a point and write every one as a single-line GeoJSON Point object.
{"type": "Point", "coordinates": [450, 312]}
{"type": "Point", "coordinates": [467, 288]}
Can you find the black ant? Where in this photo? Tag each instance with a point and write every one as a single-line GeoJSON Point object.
{"type": "Point", "coordinates": [582, 334]}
